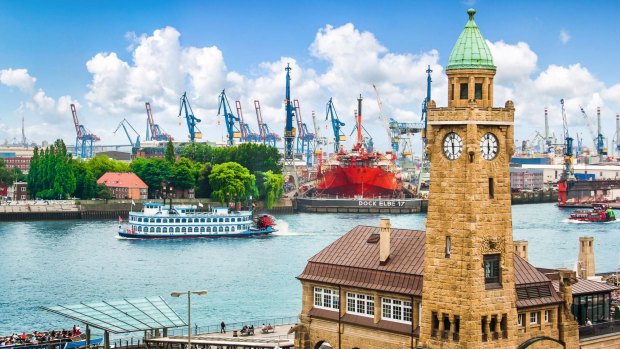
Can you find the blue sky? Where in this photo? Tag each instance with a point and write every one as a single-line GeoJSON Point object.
{"type": "Point", "coordinates": [54, 40]}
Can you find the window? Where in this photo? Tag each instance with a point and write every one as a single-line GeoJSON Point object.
{"type": "Point", "coordinates": [491, 269]}
{"type": "Point", "coordinates": [448, 246]}
{"type": "Point", "coordinates": [547, 316]}
{"type": "Point", "coordinates": [463, 91]}
{"type": "Point", "coordinates": [360, 304]}
{"type": "Point", "coordinates": [491, 188]}
{"type": "Point", "coordinates": [478, 91]}
{"type": "Point", "coordinates": [533, 318]}
{"type": "Point", "coordinates": [326, 298]}
{"type": "Point", "coordinates": [520, 320]}
{"type": "Point", "coordinates": [396, 310]}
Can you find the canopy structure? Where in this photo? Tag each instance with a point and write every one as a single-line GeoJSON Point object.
{"type": "Point", "coordinates": [122, 316]}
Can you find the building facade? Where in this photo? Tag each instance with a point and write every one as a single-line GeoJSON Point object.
{"type": "Point", "coordinates": [124, 185]}
{"type": "Point", "coordinates": [460, 283]}
{"type": "Point", "coordinates": [523, 179]}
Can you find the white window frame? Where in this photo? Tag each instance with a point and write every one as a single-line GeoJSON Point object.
{"type": "Point", "coordinates": [534, 318]}
{"type": "Point", "coordinates": [547, 316]}
{"type": "Point", "coordinates": [355, 301]}
{"type": "Point", "coordinates": [396, 306]}
{"type": "Point", "coordinates": [520, 319]}
{"type": "Point", "coordinates": [322, 294]}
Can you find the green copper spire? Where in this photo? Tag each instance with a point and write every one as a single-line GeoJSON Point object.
{"type": "Point", "coordinates": [470, 50]}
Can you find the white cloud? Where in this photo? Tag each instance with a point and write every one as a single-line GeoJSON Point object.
{"type": "Point", "coordinates": [17, 78]}
{"type": "Point", "coordinates": [564, 37]}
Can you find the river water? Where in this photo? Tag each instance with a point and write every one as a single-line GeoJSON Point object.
{"type": "Point", "coordinates": [67, 262]}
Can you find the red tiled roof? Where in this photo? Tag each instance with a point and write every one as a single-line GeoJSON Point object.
{"type": "Point", "coordinates": [353, 261]}
{"type": "Point", "coordinates": [122, 180]}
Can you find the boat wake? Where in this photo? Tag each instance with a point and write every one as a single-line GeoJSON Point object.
{"type": "Point", "coordinates": [576, 222]}
{"type": "Point", "coordinates": [284, 230]}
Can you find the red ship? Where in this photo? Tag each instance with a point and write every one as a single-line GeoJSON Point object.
{"type": "Point", "coordinates": [359, 173]}
{"type": "Point", "coordinates": [599, 213]}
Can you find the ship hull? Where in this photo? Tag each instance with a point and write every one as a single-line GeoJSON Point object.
{"type": "Point", "coordinates": [358, 181]}
{"type": "Point", "coordinates": [576, 193]}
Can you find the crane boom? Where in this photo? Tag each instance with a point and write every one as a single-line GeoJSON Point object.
{"type": "Point", "coordinates": [190, 118]}
{"type": "Point", "coordinates": [153, 131]}
{"type": "Point", "coordinates": [83, 136]}
{"type": "Point", "coordinates": [386, 123]}
{"type": "Point", "coordinates": [135, 144]}
{"type": "Point", "coordinates": [568, 172]}
{"type": "Point", "coordinates": [336, 124]}
{"type": "Point", "coordinates": [225, 109]}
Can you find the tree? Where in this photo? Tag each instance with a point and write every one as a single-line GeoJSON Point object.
{"type": "Point", "coordinates": [183, 174]}
{"type": "Point", "coordinates": [103, 192]}
{"type": "Point", "coordinates": [170, 155]}
{"type": "Point", "coordinates": [231, 180]}
{"type": "Point", "coordinates": [203, 187]}
{"type": "Point", "coordinates": [101, 164]}
{"type": "Point", "coordinates": [153, 172]}
{"type": "Point", "coordinates": [51, 173]}
{"type": "Point", "coordinates": [8, 176]}
{"type": "Point", "coordinates": [273, 185]}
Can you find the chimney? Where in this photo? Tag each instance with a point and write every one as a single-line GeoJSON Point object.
{"type": "Point", "coordinates": [585, 265]}
{"type": "Point", "coordinates": [384, 240]}
{"type": "Point", "coordinates": [521, 248]}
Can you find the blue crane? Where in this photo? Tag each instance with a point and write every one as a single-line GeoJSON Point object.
{"type": "Point", "coordinates": [135, 144]}
{"type": "Point", "coordinates": [230, 118]}
{"type": "Point", "coordinates": [265, 135]}
{"type": "Point", "coordinates": [247, 135]}
{"type": "Point", "coordinates": [84, 138]}
{"type": "Point", "coordinates": [305, 139]}
{"type": "Point", "coordinates": [289, 130]}
{"type": "Point", "coordinates": [194, 132]}
{"type": "Point", "coordinates": [153, 131]}
{"type": "Point", "coordinates": [336, 124]}
{"type": "Point", "coordinates": [597, 137]}
{"type": "Point", "coordinates": [568, 172]}
{"type": "Point", "coordinates": [426, 100]}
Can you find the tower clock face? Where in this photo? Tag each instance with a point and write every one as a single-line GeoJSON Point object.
{"type": "Point", "coordinates": [489, 146]}
{"type": "Point", "coordinates": [452, 146]}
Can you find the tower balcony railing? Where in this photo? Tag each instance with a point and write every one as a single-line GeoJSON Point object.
{"type": "Point", "coordinates": [599, 329]}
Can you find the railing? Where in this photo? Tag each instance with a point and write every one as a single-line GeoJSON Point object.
{"type": "Point", "coordinates": [182, 331]}
{"type": "Point", "coordinates": [599, 329]}
{"type": "Point", "coordinates": [128, 343]}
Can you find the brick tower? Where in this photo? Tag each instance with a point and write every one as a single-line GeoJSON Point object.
{"type": "Point", "coordinates": [468, 296]}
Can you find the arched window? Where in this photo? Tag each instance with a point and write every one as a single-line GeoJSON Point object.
{"type": "Point", "coordinates": [183, 230]}
{"type": "Point", "coordinates": [152, 230]}
{"type": "Point", "coordinates": [158, 230]}
{"type": "Point", "coordinates": [139, 228]}
{"type": "Point", "coordinates": [202, 229]}
{"type": "Point", "coordinates": [178, 230]}
{"type": "Point", "coordinates": [221, 229]}
{"type": "Point", "coordinates": [164, 230]}
{"type": "Point", "coordinates": [208, 229]}
{"type": "Point", "coordinates": [226, 230]}
{"type": "Point", "coordinates": [323, 345]}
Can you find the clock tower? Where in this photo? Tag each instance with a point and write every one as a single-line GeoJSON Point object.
{"type": "Point", "coordinates": [468, 295]}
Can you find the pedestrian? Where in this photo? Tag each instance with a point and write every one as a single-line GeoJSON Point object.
{"type": "Point", "coordinates": [223, 325]}
{"type": "Point", "coordinates": [588, 322]}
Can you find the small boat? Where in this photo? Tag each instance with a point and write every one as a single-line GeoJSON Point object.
{"type": "Point", "coordinates": [158, 221]}
{"type": "Point", "coordinates": [598, 213]}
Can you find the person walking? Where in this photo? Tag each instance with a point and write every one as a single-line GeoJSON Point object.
{"type": "Point", "coordinates": [223, 327]}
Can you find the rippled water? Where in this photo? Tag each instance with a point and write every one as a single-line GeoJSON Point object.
{"type": "Point", "coordinates": [66, 262]}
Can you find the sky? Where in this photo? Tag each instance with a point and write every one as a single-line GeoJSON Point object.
{"type": "Point", "coordinates": [110, 57]}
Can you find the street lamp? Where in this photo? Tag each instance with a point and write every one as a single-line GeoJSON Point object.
{"type": "Point", "coordinates": [189, 311]}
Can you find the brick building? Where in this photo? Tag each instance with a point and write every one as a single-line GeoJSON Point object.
{"type": "Point", "coordinates": [460, 283]}
{"type": "Point", "coordinates": [124, 185]}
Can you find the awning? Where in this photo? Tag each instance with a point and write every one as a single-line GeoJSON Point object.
{"type": "Point", "coordinates": [122, 316]}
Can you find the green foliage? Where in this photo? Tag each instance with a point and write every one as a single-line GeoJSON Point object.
{"type": "Point", "coordinates": [153, 172]}
{"type": "Point", "coordinates": [101, 164]}
{"type": "Point", "coordinates": [103, 192]}
{"type": "Point", "coordinates": [230, 181]}
{"type": "Point", "coordinates": [203, 187]}
{"type": "Point", "coordinates": [170, 155]}
{"type": "Point", "coordinates": [254, 157]}
{"type": "Point", "coordinates": [51, 173]}
{"type": "Point", "coordinates": [273, 184]}
{"type": "Point", "coordinates": [183, 174]}
{"type": "Point", "coordinates": [8, 176]}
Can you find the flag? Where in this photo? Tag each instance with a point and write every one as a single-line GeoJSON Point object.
{"type": "Point", "coordinates": [133, 203]}
{"type": "Point", "coordinates": [200, 204]}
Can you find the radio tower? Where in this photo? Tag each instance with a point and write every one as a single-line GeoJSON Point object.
{"type": "Point", "coordinates": [289, 133]}
{"type": "Point", "coordinates": [24, 140]}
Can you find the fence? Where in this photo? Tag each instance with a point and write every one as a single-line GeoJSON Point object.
{"type": "Point", "coordinates": [233, 326]}
{"type": "Point", "coordinates": [599, 329]}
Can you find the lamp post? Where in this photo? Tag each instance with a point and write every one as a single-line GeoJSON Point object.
{"type": "Point", "coordinates": [189, 311]}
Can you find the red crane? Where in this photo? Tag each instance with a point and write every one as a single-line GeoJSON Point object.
{"type": "Point", "coordinates": [84, 139]}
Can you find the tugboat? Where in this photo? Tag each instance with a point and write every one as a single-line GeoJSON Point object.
{"type": "Point", "coordinates": [598, 213]}
{"type": "Point", "coordinates": [157, 221]}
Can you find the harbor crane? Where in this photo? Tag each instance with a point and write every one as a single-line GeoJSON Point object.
{"type": "Point", "coordinates": [617, 134]}
{"type": "Point", "coordinates": [289, 132]}
{"type": "Point", "coordinates": [122, 124]}
{"type": "Point", "coordinates": [84, 138]}
{"type": "Point", "coordinates": [153, 131]}
{"type": "Point", "coordinates": [597, 137]}
{"type": "Point", "coordinates": [194, 132]}
{"type": "Point", "coordinates": [332, 115]}
{"type": "Point", "coordinates": [319, 141]}
{"type": "Point", "coordinates": [266, 135]}
{"type": "Point", "coordinates": [247, 135]}
{"type": "Point", "coordinates": [230, 118]}
{"type": "Point", "coordinates": [305, 139]}
{"type": "Point", "coordinates": [568, 172]}
{"type": "Point", "coordinates": [386, 124]}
